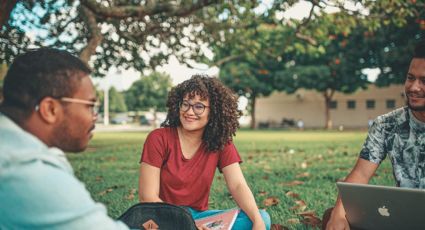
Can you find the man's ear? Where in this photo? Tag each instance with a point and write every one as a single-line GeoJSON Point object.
{"type": "Point", "coordinates": [49, 109]}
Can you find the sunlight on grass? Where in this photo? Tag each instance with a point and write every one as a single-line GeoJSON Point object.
{"type": "Point", "coordinates": [295, 170]}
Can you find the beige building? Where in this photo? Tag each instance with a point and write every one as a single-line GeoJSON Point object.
{"type": "Point", "coordinates": [347, 110]}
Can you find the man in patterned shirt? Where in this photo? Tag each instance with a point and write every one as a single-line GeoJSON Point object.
{"type": "Point", "coordinates": [398, 135]}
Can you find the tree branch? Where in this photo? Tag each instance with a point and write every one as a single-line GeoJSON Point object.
{"type": "Point", "coordinates": [309, 39]}
{"type": "Point", "coordinates": [95, 35]}
{"type": "Point", "coordinates": [151, 8]}
{"type": "Point", "coordinates": [304, 22]}
{"type": "Point", "coordinates": [227, 59]}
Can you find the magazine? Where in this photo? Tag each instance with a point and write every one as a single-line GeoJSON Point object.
{"type": "Point", "coordinates": [219, 221]}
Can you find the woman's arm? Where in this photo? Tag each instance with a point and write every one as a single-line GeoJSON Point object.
{"type": "Point", "coordinates": [149, 183]}
{"type": "Point", "coordinates": [240, 191]}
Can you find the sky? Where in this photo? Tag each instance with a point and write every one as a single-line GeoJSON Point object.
{"type": "Point", "coordinates": [177, 71]}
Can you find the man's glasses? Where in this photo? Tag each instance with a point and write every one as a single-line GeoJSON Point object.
{"type": "Point", "coordinates": [94, 105]}
{"type": "Point", "coordinates": [198, 107]}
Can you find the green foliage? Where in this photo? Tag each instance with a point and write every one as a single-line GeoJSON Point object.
{"type": "Point", "coordinates": [337, 69]}
{"type": "Point", "coordinates": [326, 52]}
{"type": "Point", "coordinates": [150, 92]}
{"type": "Point", "coordinates": [390, 48]}
{"type": "Point", "coordinates": [246, 80]}
{"type": "Point", "coordinates": [128, 34]}
{"type": "Point", "coordinates": [271, 161]}
{"type": "Point", "coordinates": [121, 33]}
{"type": "Point", "coordinates": [116, 101]}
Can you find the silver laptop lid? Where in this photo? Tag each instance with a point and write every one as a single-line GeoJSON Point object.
{"type": "Point", "coordinates": [382, 207]}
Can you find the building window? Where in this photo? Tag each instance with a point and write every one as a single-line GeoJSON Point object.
{"type": "Point", "coordinates": [333, 105]}
{"type": "Point", "coordinates": [390, 104]}
{"type": "Point", "coordinates": [351, 104]}
{"type": "Point", "coordinates": [370, 104]}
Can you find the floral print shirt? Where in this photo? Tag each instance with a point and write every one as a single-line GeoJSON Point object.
{"type": "Point", "coordinates": [401, 137]}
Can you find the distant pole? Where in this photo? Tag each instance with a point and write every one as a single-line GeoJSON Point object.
{"type": "Point", "coordinates": [106, 107]}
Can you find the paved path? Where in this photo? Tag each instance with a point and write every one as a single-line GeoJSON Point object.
{"type": "Point", "coordinates": [122, 128]}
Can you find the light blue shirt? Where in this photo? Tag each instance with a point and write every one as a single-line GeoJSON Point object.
{"type": "Point", "coordinates": [38, 189]}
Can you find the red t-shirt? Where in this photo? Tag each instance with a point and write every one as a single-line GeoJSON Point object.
{"type": "Point", "coordinates": [185, 182]}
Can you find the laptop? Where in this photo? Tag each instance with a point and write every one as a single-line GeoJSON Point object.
{"type": "Point", "coordinates": [382, 207]}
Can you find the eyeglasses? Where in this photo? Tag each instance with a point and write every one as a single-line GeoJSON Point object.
{"type": "Point", "coordinates": [198, 107]}
{"type": "Point", "coordinates": [94, 105]}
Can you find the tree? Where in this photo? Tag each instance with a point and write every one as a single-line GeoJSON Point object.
{"type": "Point", "coordinates": [336, 70]}
{"type": "Point", "coordinates": [316, 53]}
{"type": "Point", "coordinates": [150, 92]}
{"type": "Point", "coordinates": [128, 34]}
{"type": "Point", "coordinates": [390, 47]}
{"type": "Point", "coordinates": [250, 55]}
{"type": "Point", "coordinates": [248, 81]}
{"type": "Point", "coordinates": [116, 101]}
{"type": "Point", "coordinates": [339, 69]}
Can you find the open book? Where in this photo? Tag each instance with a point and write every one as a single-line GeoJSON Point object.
{"type": "Point", "coordinates": [219, 221]}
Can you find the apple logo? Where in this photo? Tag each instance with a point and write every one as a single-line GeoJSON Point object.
{"type": "Point", "coordinates": [383, 211]}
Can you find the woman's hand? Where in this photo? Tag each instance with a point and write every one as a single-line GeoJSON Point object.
{"type": "Point", "coordinates": [243, 196]}
{"type": "Point", "coordinates": [258, 225]}
{"type": "Point", "coordinates": [202, 227]}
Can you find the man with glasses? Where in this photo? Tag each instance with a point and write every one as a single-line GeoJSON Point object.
{"type": "Point", "coordinates": [49, 107]}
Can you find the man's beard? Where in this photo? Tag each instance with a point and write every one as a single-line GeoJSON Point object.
{"type": "Point", "coordinates": [65, 140]}
{"type": "Point", "coordinates": [419, 108]}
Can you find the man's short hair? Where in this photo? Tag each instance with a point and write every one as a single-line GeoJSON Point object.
{"type": "Point", "coordinates": [40, 73]}
{"type": "Point", "coordinates": [419, 50]}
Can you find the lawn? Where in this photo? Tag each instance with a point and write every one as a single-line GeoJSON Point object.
{"type": "Point", "coordinates": [291, 173]}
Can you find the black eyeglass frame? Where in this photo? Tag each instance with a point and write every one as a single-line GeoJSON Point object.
{"type": "Point", "coordinates": [193, 108]}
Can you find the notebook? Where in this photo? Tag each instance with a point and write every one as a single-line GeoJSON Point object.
{"type": "Point", "coordinates": [382, 207]}
{"type": "Point", "coordinates": [220, 221]}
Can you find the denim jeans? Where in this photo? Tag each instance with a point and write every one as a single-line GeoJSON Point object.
{"type": "Point", "coordinates": [242, 220]}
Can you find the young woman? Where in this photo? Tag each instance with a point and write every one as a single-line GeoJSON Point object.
{"type": "Point", "coordinates": [179, 160]}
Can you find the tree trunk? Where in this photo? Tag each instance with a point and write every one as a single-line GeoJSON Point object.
{"type": "Point", "coordinates": [106, 107]}
{"type": "Point", "coordinates": [6, 7]}
{"type": "Point", "coordinates": [328, 121]}
{"type": "Point", "coordinates": [328, 95]}
{"type": "Point", "coordinates": [253, 98]}
{"type": "Point", "coordinates": [154, 126]}
{"type": "Point", "coordinates": [95, 36]}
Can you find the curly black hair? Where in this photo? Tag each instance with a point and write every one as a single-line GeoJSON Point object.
{"type": "Point", "coordinates": [223, 118]}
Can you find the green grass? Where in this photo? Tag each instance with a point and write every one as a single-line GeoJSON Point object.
{"type": "Point", "coordinates": [272, 159]}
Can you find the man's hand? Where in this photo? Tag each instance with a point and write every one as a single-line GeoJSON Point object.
{"type": "Point", "coordinates": [337, 222]}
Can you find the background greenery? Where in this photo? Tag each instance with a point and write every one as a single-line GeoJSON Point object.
{"type": "Point", "coordinates": [257, 49]}
{"type": "Point", "coordinates": [289, 172]}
